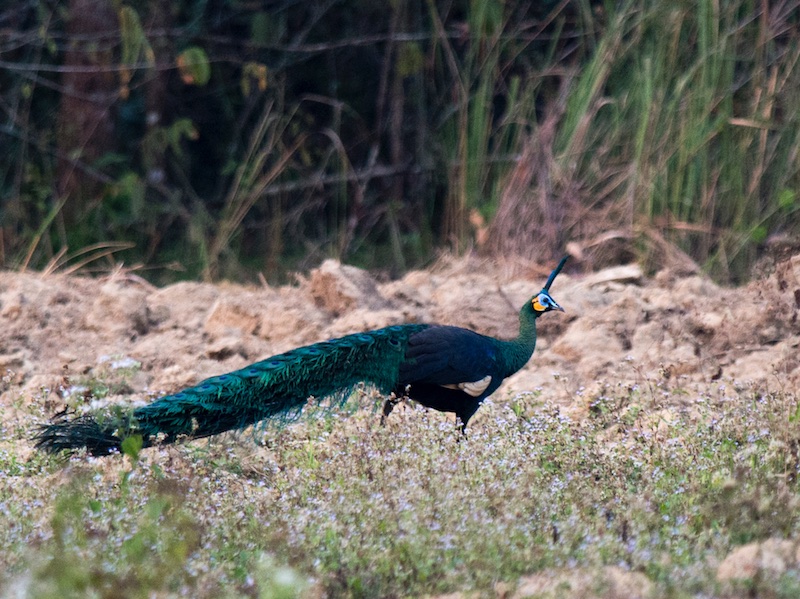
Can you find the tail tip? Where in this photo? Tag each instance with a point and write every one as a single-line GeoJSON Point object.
{"type": "Point", "coordinates": [65, 434]}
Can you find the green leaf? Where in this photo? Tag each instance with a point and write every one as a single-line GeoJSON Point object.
{"type": "Point", "coordinates": [132, 34]}
{"type": "Point", "coordinates": [194, 67]}
{"type": "Point", "coordinates": [787, 199]}
{"type": "Point", "coordinates": [759, 234]}
{"type": "Point", "coordinates": [253, 73]}
{"type": "Point", "coordinates": [178, 131]}
{"type": "Point", "coordinates": [131, 446]}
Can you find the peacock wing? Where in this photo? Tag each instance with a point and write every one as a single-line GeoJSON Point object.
{"type": "Point", "coordinates": [449, 356]}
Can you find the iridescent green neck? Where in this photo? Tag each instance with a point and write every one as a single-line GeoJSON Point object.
{"type": "Point", "coordinates": [517, 352]}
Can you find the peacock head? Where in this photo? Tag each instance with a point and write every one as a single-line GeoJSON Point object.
{"type": "Point", "coordinates": [543, 302]}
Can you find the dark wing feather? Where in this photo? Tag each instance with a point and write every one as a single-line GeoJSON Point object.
{"type": "Point", "coordinates": [442, 355]}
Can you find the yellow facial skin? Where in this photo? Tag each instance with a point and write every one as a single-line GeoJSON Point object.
{"type": "Point", "coordinates": [544, 303]}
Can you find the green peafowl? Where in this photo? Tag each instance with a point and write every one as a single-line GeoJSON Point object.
{"type": "Point", "coordinates": [446, 368]}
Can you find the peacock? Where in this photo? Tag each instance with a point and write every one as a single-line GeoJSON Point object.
{"type": "Point", "coordinates": [446, 368]}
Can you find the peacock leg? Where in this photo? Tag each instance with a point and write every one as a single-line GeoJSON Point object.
{"type": "Point", "coordinates": [388, 406]}
{"type": "Point", "coordinates": [464, 414]}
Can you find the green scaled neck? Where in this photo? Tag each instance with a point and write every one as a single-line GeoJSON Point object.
{"type": "Point", "coordinates": [518, 351]}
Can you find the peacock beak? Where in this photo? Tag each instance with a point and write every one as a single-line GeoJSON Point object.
{"type": "Point", "coordinates": [558, 307]}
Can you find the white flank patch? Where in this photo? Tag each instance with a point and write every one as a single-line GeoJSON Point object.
{"type": "Point", "coordinates": [474, 388]}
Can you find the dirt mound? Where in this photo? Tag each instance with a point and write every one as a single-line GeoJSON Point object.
{"type": "Point", "coordinates": [619, 328]}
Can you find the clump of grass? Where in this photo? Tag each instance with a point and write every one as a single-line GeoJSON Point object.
{"type": "Point", "coordinates": [683, 123]}
{"type": "Point", "coordinates": [102, 549]}
{"type": "Point", "coordinates": [135, 537]}
{"type": "Point", "coordinates": [673, 141]}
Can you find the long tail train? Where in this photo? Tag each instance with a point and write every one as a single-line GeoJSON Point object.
{"type": "Point", "coordinates": [279, 386]}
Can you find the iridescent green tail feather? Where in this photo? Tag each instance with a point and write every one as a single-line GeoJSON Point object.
{"type": "Point", "coordinates": [276, 388]}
